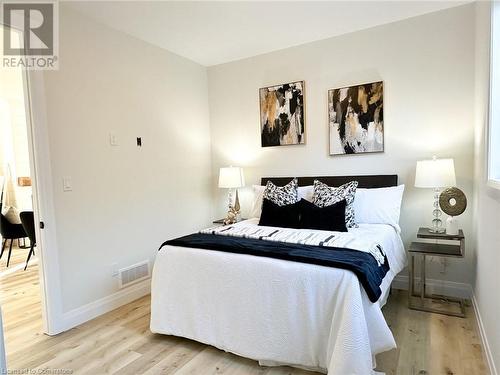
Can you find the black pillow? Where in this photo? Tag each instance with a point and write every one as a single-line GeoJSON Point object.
{"type": "Point", "coordinates": [323, 218]}
{"type": "Point", "coordinates": [287, 216]}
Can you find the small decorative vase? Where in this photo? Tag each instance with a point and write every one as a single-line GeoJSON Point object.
{"type": "Point", "coordinates": [451, 225]}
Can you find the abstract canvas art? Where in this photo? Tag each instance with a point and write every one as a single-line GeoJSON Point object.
{"type": "Point", "coordinates": [282, 120]}
{"type": "Point", "coordinates": [356, 119]}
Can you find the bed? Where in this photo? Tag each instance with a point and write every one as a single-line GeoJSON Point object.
{"type": "Point", "coordinates": [276, 311]}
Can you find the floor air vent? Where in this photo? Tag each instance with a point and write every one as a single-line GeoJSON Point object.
{"type": "Point", "coordinates": [130, 275]}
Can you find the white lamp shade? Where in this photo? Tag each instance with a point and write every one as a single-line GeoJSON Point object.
{"type": "Point", "coordinates": [231, 177]}
{"type": "Point", "coordinates": [435, 173]}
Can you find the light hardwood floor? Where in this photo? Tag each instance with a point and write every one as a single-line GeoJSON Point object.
{"type": "Point", "coordinates": [120, 342]}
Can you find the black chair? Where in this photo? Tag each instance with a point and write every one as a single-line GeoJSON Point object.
{"type": "Point", "coordinates": [28, 222]}
{"type": "Point", "coordinates": [9, 231]}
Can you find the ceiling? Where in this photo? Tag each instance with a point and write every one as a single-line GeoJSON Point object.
{"type": "Point", "coordinates": [212, 33]}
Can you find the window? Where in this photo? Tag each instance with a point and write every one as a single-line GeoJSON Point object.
{"type": "Point", "coordinates": [494, 123]}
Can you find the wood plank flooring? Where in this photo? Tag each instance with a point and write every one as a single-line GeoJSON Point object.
{"type": "Point", "coordinates": [120, 342]}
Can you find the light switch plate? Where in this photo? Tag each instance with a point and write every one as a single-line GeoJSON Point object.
{"type": "Point", "coordinates": [67, 184]}
{"type": "Point", "coordinates": [113, 139]}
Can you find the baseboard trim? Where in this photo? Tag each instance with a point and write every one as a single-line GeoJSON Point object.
{"type": "Point", "coordinates": [484, 339]}
{"type": "Point", "coordinates": [101, 306]}
{"type": "Point", "coordinates": [444, 287]}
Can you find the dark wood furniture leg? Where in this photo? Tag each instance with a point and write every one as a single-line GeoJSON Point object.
{"type": "Point", "coordinates": [32, 252]}
{"type": "Point", "coordinates": [4, 244]}
{"type": "Point", "coordinates": [10, 251]}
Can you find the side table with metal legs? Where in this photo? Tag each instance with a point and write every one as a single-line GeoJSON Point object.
{"type": "Point", "coordinates": [420, 300]}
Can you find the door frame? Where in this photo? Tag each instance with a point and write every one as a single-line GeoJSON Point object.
{"type": "Point", "coordinates": [43, 203]}
{"type": "Point", "coordinates": [43, 200]}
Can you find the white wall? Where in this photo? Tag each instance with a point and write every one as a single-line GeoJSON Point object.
{"type": "Point", "coordinates": [126, 200]}
{"type": "Point", "coordinates": [427, 66]}
{"type": "Point", "coordinates": [487, 277]}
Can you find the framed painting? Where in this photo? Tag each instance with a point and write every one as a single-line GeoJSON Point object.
{"type": "Point", "coordinates": [282, 120]}
{"type": "Point", "coordinates": [356, 119]}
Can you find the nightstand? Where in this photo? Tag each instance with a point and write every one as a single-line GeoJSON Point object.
{"type": "Point", "coordinates": [421, 300]}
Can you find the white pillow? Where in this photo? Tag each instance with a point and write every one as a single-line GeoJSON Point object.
{"type": "Point", "coordinates": [305, 192]}
{"type": "Point", "coordinates": [379, 206]}
{"type": "Point", "coordinates": [12, 215]}
{"type": "Point", "coordinates": [258, 196]}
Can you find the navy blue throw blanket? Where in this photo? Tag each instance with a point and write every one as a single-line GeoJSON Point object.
{"type": "Point", "coordinates": [364, 265]}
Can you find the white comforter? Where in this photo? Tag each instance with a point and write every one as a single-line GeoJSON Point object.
{"type": "Point", "coordinates": [275, 311]}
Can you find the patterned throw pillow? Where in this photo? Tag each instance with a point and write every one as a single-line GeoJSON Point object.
{"type": "Point", "coordinates": [283, 195]}
{"type": "Point", "coordinates": [325, 195]}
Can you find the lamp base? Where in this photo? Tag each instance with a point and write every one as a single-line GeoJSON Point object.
{"type": "Point", "coordinates": [233, 212]}
{"type": "Point", "coordinates": [237, 207]}
{"type": "Point", "coordinates": [437, 223]}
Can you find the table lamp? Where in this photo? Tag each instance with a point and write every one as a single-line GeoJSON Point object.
{"type": "Point", "coordinates": [436, 174]}
{"type": "Point", "coordinates": [232, 178]}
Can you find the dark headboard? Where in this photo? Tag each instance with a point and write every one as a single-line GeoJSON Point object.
{"type": "Point", "coordinates": [365, 181]}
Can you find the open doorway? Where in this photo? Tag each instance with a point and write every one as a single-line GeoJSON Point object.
{"type": "Point", "coordinates": [21, 299]}
{"type": "Point", "coordinates": [16, 194]}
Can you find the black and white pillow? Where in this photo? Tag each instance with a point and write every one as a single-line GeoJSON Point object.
{"type": "Point", "coordinates": [325, 195]}
{"type": "Point", "coordinates": [282, 195]}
